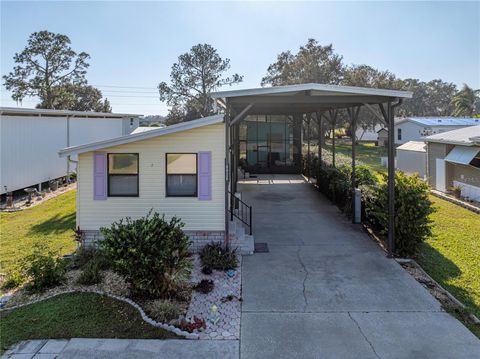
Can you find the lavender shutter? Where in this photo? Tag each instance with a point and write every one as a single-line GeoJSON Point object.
{"type": "Point", "coordinates": [99, 176]}
{"type": "Point", "coordinates": [205, 175]}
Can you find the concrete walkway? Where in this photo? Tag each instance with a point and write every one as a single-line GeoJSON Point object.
{"type": "Point", "coordinates": [326, 290]}
{"type": "Point", "coordinates": [123, 349]}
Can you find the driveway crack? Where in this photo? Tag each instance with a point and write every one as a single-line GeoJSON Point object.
{"type": "Point", "coordinates": [304, 278]}
{"type": "Point", "coordinates": [364, 336]}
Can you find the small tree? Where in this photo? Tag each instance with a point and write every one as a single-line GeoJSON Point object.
{"type": "Point", "coordinates": [196, 74]}
{"type": "Point", "coordinates": [45, 65]}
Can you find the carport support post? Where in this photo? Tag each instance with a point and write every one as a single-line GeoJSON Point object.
{"type": "Point", "coordinates": [391, 180]}
{"type": "Point", "coordinates": [353, 117]}
{"type": "Point", "coordinates": [227, 170]}
{"type": "Point", "coordinates": [309, 117]}
{"type": "Point", "coordinates": [320, 134]}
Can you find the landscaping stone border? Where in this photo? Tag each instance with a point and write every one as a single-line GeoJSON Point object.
{"type": "Point", "coordinates": [403, 261]}
{"type": "Point", "coordinates": [456, 201]}
{"type": "Point", "coordinates": [144, 316]}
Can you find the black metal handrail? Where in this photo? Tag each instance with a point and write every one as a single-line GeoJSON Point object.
{"type": "Point", "coordinates": [241, 211]}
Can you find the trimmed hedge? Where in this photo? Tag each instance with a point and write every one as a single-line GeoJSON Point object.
{"type": "Point", "coordinates": [412, 204]}
{"type": "Point", "coordinates": [412, 211]}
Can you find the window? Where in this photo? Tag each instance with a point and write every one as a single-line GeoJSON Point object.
{"type": "Point", "coordinates": [399, 134]}
{"type": "Point", "coordinates": [181, 174]}
{"type": "Point", "coordinates": [123, 174]}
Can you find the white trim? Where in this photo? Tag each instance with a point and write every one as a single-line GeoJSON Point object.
{"type": "Point", "coordinates": [183, 126]}
{"type": "Point", "coordinates": [336, 89]}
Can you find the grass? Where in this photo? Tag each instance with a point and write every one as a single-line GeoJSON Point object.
{"type": "Point", "coordinates": [365, 153]}
{"type": "Point", "coordinates": [452, 255]}
{"type": "Point", "coordinates": [50, 223]}
{"type": "Point", "coordinates": [76, 315]}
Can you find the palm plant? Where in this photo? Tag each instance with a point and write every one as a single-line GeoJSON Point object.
{"type": "Point", "coordinates": [466, 101]}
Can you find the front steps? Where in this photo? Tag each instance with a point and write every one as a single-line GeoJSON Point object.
{"type": "Point", "coordinates": [239, 239]}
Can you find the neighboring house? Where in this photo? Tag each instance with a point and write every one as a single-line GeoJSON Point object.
{"type": "Point", "coordinates": [416, 128]}
{"type": "Point", "coordinates": [411, 158]}
{"type": "Point", "coordinates": [382, 137]}
{"type": "Point", "coordinates": [31, 138]}
{"type": "Point", "coordinates": [453, 159]}
{"type": "Point", "coordinates": [369, 134]}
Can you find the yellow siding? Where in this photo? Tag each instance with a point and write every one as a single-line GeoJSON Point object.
{"type": "Point", "coordinates": [197, 215]}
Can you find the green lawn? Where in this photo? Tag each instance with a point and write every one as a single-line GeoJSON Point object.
{"type": "Point", "coordinates": [366, 153]}
{"type": "Point", "coordinates": [50, 223]}
{"type": "Point", "coordinates": [76, 315]}
{"type": "Point", "coordinates": [452, 255]}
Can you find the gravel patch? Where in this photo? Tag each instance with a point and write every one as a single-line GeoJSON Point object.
{"type": "Point", "coordinates": [226, 295]}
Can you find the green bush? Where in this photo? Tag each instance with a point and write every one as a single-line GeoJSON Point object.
{"type": "Point", "coordinates": [85, 254]}
{"type": "Point", "coordinates": [91, 272]}
{"type": "Point", "coordinates": [13, 280]}
{"type": "Point", "coordinates": [44, 269]}
{"type": "Point", "coordinates": [217, 256]}
{"type": "Point", "coordinates": [164, 310]}
{"type": "Point", "coordinates": [150, 252]}
{"type": "Point", "coordinates": [412, 211]}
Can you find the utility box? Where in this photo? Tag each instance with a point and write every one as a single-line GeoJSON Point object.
{"type": "Point", "coordinates": [358, 206]}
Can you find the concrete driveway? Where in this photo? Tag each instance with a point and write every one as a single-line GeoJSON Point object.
{"type": "Point", "coordinates": [325, 289]}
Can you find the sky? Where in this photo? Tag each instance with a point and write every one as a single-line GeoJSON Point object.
{"type": "Point", "coordinates": [134, 44]}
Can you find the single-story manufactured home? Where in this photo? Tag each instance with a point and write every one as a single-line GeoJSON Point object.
{"type": "Point", "coordinates": [31, 138]}
{"type": "Point", "coordinates": [191, 169]}
{"type": "Point", "coordinates": [416, 128]}
{"type": "Point", "coordinates": [453, 159]}
{"type": "Point", "coordinates": [412, 158]}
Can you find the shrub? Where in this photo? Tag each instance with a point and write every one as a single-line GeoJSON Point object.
{"type": "Point", "coordinates": [13, 280]}
{"type": "Point", "coordinates": [84, 255]}
{"type": "Point", "coordinates": [216, 256]}
{"type": "Point", "coordinates": [44, 269]}
{"type": "Point", "coordinates": [412, 211]}
{"type": "Point", "coordinates": [164, 310]}
{"type": "Point", "coordinates": [207, 270]}
{"type": "Point", "coordinates": [336, 183]}
{"type": "Point", "coordinates": [204, 286]}
{"type": "Point", "coordinates": [150, 252]}
{"type": "Point", "coordinates": [91, 272]}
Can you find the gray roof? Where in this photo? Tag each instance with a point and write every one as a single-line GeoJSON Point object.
{"type": "Point", "coordinates": [139, 136]}
{"type": "Point", "coordinates": [303, 98]}
{"type": "Point", "coordinates": [322, 89]}
{"type": "Point", "coordinates": [17, 111]}
{"type": "Point", "coordinates": [415, 146]}
{"type": "Point", "coordinates": [467, 136]}
{"type": "Point", "coordinates": [441, 121]}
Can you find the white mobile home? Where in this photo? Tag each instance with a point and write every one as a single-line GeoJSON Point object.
{"type": "Point", "coordinates": [191, 170]}
{"type": "Point", "coordinates": [416, 128]}
{"type": "Point", "coordinates": [31, 139]}
{"type": "Point", "coordinates": [177, 170]}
